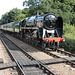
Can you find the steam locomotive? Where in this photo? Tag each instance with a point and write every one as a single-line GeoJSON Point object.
{"type": "Point", "coordinates": [44, 30]}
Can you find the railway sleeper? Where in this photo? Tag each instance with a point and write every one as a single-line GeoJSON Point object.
{"type": "Point", "coordinates": [28, 63]}
{"type": "Point", "coordinates": [70, 59]}
{"type": "Point", "coordinates": [13, 64]}
{"type": "Point", "coordinates": [7, 65]}
{"type": "Point", "coordinates": [28, 69]}
{"type": "Point", "coordinates": [53, 61]}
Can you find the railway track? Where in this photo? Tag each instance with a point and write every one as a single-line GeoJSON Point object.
{"type": "Point", "coordinates": [54, 58]}
{"type": "Point", "coordinates": [67, 57]}
{"type": "Point", "coordinates": [25, 63]}
{"type": "Point", "coordinates": [57, 53]}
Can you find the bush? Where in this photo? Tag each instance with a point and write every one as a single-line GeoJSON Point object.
{"type": "Point", "coordinates": [69, 34]}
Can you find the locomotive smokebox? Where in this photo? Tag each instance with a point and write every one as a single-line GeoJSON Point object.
{"type": "Point", "coordinates": [49, 21]}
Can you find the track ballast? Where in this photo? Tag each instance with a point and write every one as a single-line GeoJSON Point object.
{"type": "Point", "coordinates": [26, 64]}
{"type": "Point", "coordinates": [56, 56]}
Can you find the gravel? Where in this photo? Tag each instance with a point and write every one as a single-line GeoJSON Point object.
{"type": "Point", "coordinates": [59, 69]}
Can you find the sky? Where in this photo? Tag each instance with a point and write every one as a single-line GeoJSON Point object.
{"type": "Point", "coordinates": [7, 5]}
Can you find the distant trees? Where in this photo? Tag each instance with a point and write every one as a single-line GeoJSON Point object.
{"type": "Point", "coordinates": [4, 18]}
{"type": "Point", "coordinates": [14, 14]}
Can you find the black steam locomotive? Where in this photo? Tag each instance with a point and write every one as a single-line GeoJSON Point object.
{"type": "Point", "coordinates": [44, 30]}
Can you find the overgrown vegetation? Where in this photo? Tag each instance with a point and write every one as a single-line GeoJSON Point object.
{"type": "Point", "coordinates": [63, 8]}
{"type": "Point", "coordinates": [69, 34]}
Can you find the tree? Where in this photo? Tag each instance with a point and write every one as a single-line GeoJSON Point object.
{"type": "Point", "coordinates": [25, 11]}
{"type": "Point", "coordinates": [20, 17]}
{"type": "Point", "coordinates": [34, 7]}
{"type": "Point", "coordinates": [13, 14]}
{"type": "Point", "coordinates": [31, 3]}
{"type": "Point", "coordinates": [10, 16]}
{"type": "Point", "coordinates": [4, 18]}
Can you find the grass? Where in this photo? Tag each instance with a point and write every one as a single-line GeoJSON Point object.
{"type": "Point", "coordinates": [69, 34]}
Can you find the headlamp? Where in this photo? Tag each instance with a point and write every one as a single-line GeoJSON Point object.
{"type": "Point", "coordinates": [47, 40]}
{"type": "Point", "coordinates": [63, 40]}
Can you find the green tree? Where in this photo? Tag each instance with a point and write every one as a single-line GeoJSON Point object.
{"type": "Point", "coordinates": [20, 17]}
{"type": "Point", "coordinates": [13, 14]}
{"type": "Point", "coordinates": [25, 11]}
{"type": "Point", "coordinates": [34, 6]}
{"type": "Point", "coordinates": [4, 18]}
{"type": "Point", "coordinates": [10, 16]}
{"type": "Point", "coordinates": [31, 3]}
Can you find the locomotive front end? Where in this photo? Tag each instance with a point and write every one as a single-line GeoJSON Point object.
{"type": "Point", "coordinates": [52, 31]}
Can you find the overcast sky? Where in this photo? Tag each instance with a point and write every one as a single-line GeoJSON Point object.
{"type": "Point", "coordinates": [7, 5]}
